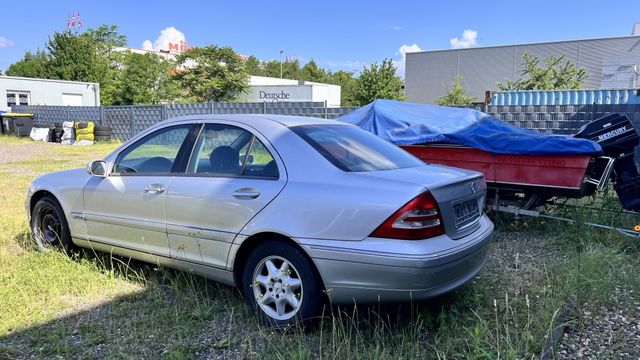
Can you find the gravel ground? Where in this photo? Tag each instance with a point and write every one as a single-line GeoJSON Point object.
{"type": "Point", "coordinates": [520, 259]}
{"type": "Point", "coordinates": [608, 333]}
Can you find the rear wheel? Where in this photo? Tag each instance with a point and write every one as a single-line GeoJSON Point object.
{"type": "Point", "coordinates": [281, 286]}
{"type": "Point", "coordinates": [49, 225]}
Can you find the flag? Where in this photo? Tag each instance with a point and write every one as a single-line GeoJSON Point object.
{"type": "Point", "coordinates": [79, 21]}
{"type": "Point", "coordinates": [68, 22]}
{"type": "Point", "coordinates": [73, 20]}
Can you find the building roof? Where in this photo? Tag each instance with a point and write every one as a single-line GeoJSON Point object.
{"type": "Point", "coordinates": [47, 80]}
{"type": "Point", "coordinates": [527, 44]}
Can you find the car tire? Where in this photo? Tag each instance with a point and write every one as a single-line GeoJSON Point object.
{"type": "Point", "coordinates": [282, 295]}
{"type": "Point", "coordinates": [49, 226]}
{"type": "Point", "coordinates": [102, 130]}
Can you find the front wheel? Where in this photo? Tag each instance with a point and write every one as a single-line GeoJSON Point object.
{"type": "Point", "coordinates": [49, 225]}
{"type": "Point", "coordinates": [281, 285]}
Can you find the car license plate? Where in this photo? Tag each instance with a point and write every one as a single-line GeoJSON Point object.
{"type": "Point", "coordinates": [466, 212]}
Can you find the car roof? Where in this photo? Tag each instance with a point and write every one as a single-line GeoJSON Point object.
{"type": "Point", "coordinates": [251, 119]}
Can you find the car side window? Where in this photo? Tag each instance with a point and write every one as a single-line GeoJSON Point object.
{"type": "Point", "coordinates": [260, 162]}
{"type": "Point", "coordinates": [154, 154]}
{"type": "Point", "coordinates": [229, 150]}
{"type": "Point", "coordinates": [219, 150]}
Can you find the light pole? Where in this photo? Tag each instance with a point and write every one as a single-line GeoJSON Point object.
{"type": "Point", "coordinates": [281, 54]}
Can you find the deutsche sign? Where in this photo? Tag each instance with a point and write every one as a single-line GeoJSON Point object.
{"type": "Point", "coordinates": [274, 96]}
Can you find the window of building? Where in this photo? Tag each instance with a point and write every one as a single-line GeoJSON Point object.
{"type": "Point", "coordinates": [18, 98]}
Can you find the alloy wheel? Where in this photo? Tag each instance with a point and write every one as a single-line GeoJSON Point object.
{"type": "Point", "coordinates": [277, 288]}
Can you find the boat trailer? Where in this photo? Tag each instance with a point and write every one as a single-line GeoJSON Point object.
{"type": "Point", "coordinates": [620, 143]}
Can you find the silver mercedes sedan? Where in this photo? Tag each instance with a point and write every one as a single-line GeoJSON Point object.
{"type": "Point", "coordinates": [296, 212]}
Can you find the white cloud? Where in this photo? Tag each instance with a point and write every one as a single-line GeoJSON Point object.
{"type": "Point", "coordinates": [396, 27]}
{"type": "Point", "coordinates": [147, 45]}
{"type": "Point", "coordinates": [404, 49]}
{"type": "Point", "coordinates": [168, 35]}
{"type": "Point", "coordinates": [4, 42]}
{"type": "Point", "coordinates": [468, 40]}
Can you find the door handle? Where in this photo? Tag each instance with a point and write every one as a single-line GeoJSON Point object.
{"type": "Point", "coordinates": [154, 189]}
{"type": "Point", "coordinates": [246, 193]}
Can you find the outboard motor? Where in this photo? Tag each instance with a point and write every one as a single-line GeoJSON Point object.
{"type": "Point", "coordinates": [619, 140]}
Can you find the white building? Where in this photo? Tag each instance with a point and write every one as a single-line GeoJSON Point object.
{"type": "Point", "coordinates": [267, 89]}
{"type": "Point", "coordinates": [31, 91]}
{"type": "Point", "coordinates": [165, 54]}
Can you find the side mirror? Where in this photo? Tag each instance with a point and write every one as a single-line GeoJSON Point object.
{"type": "Point", "coordinates": [97, 168]}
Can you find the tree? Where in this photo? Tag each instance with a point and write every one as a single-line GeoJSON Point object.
{"type": "Point", "coordinates": [73, 57]}
{"type": "Point", "coordinates": [253, 66]}
{"type": "Point", "coordinates": [146, 80]}
{"type": "Point", "coordinates": [347, 84]}
{"type": "Point", "coordinates": [312, 72]}
{"type": "Point", "coordinates": [554, 75]}
{"type": "Point", "coordinates": [33, 65]}
{"type": "Point", "coordinates": [455, 95]}
{"type": "Point", "coordinates": [378, 82]}
{"type": "Point", "coordinates": [88, 57]}
{"type": "Point", "coordinates": [290, 69]}
{"type": "Point", "coordinates": [211, 73]}
{"type": "Point", "coordinates": [107, 36]}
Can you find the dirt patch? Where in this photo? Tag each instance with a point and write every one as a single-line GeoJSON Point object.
{"type": "Point", "coordinates": [22, 152]}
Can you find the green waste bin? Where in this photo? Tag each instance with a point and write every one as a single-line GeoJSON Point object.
{"type": "Point", "coordinates": [19, 124]}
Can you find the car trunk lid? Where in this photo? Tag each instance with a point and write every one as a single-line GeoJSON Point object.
{"type": "Point", "coordinates": [460, 193]}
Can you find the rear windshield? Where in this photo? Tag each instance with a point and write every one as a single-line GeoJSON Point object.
{"type": "Point", "coordinates": [353, 149]}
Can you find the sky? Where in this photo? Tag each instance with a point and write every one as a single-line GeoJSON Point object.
{"type": "Point", "coordinates": [338, 35]}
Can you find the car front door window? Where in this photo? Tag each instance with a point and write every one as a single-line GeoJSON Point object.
{"type": "Point", "coordinates": [154, 154]}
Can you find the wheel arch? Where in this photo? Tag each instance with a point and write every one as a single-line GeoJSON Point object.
{"type": "Point", "coordinates": [253, 241]}
{"type": "Point", "coordinates": [39, 195]}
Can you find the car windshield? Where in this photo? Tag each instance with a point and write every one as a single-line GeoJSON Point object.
{"type": "Point", "coordinates": [352, 149]}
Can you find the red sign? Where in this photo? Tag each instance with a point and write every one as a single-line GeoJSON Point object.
{"type": "Point", "coordinates": [179, 47]}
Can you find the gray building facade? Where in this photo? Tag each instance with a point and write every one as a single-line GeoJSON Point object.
{"type": "Point", "coordinates": [21, 91]}
{"type": "Point", "coordinates": [610, 63]}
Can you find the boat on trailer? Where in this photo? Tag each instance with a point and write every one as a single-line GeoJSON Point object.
{"type": "Point", "coordinates": [523, 169]}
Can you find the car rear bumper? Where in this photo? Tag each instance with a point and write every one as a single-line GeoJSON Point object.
{"type": "Point", "coordinates": [384, 270]}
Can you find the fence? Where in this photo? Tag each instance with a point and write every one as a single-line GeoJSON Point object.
{"type": "Point", "coordinates": [559, 119]}
{"type": "Point", "coordinates": [127, 121]}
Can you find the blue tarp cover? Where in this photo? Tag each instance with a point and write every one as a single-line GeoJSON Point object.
{"type": "Point", "coordinates": [404, 123]}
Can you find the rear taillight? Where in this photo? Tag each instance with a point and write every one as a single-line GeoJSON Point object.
{"type": "Point", "coordinates": [418, 219]}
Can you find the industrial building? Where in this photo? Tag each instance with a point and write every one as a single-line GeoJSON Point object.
{"type": "Point", "coordinates": [611, 63]}
{"type": "Point", "coordinates": [31, 91]}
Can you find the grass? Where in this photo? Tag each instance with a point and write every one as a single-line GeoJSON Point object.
{"type": "Point", "coordinates": [98, 306]}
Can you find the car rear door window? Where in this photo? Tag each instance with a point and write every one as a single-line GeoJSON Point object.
{"type": "Point", "coordinates": [352, 149]}
{"type": "Point", "coordinates": [224, 149]}
{"type": "Point", "coordinates": [260, 162]}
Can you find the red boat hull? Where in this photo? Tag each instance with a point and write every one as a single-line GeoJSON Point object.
{"type": "Point", "coordinates": [558, 171]}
